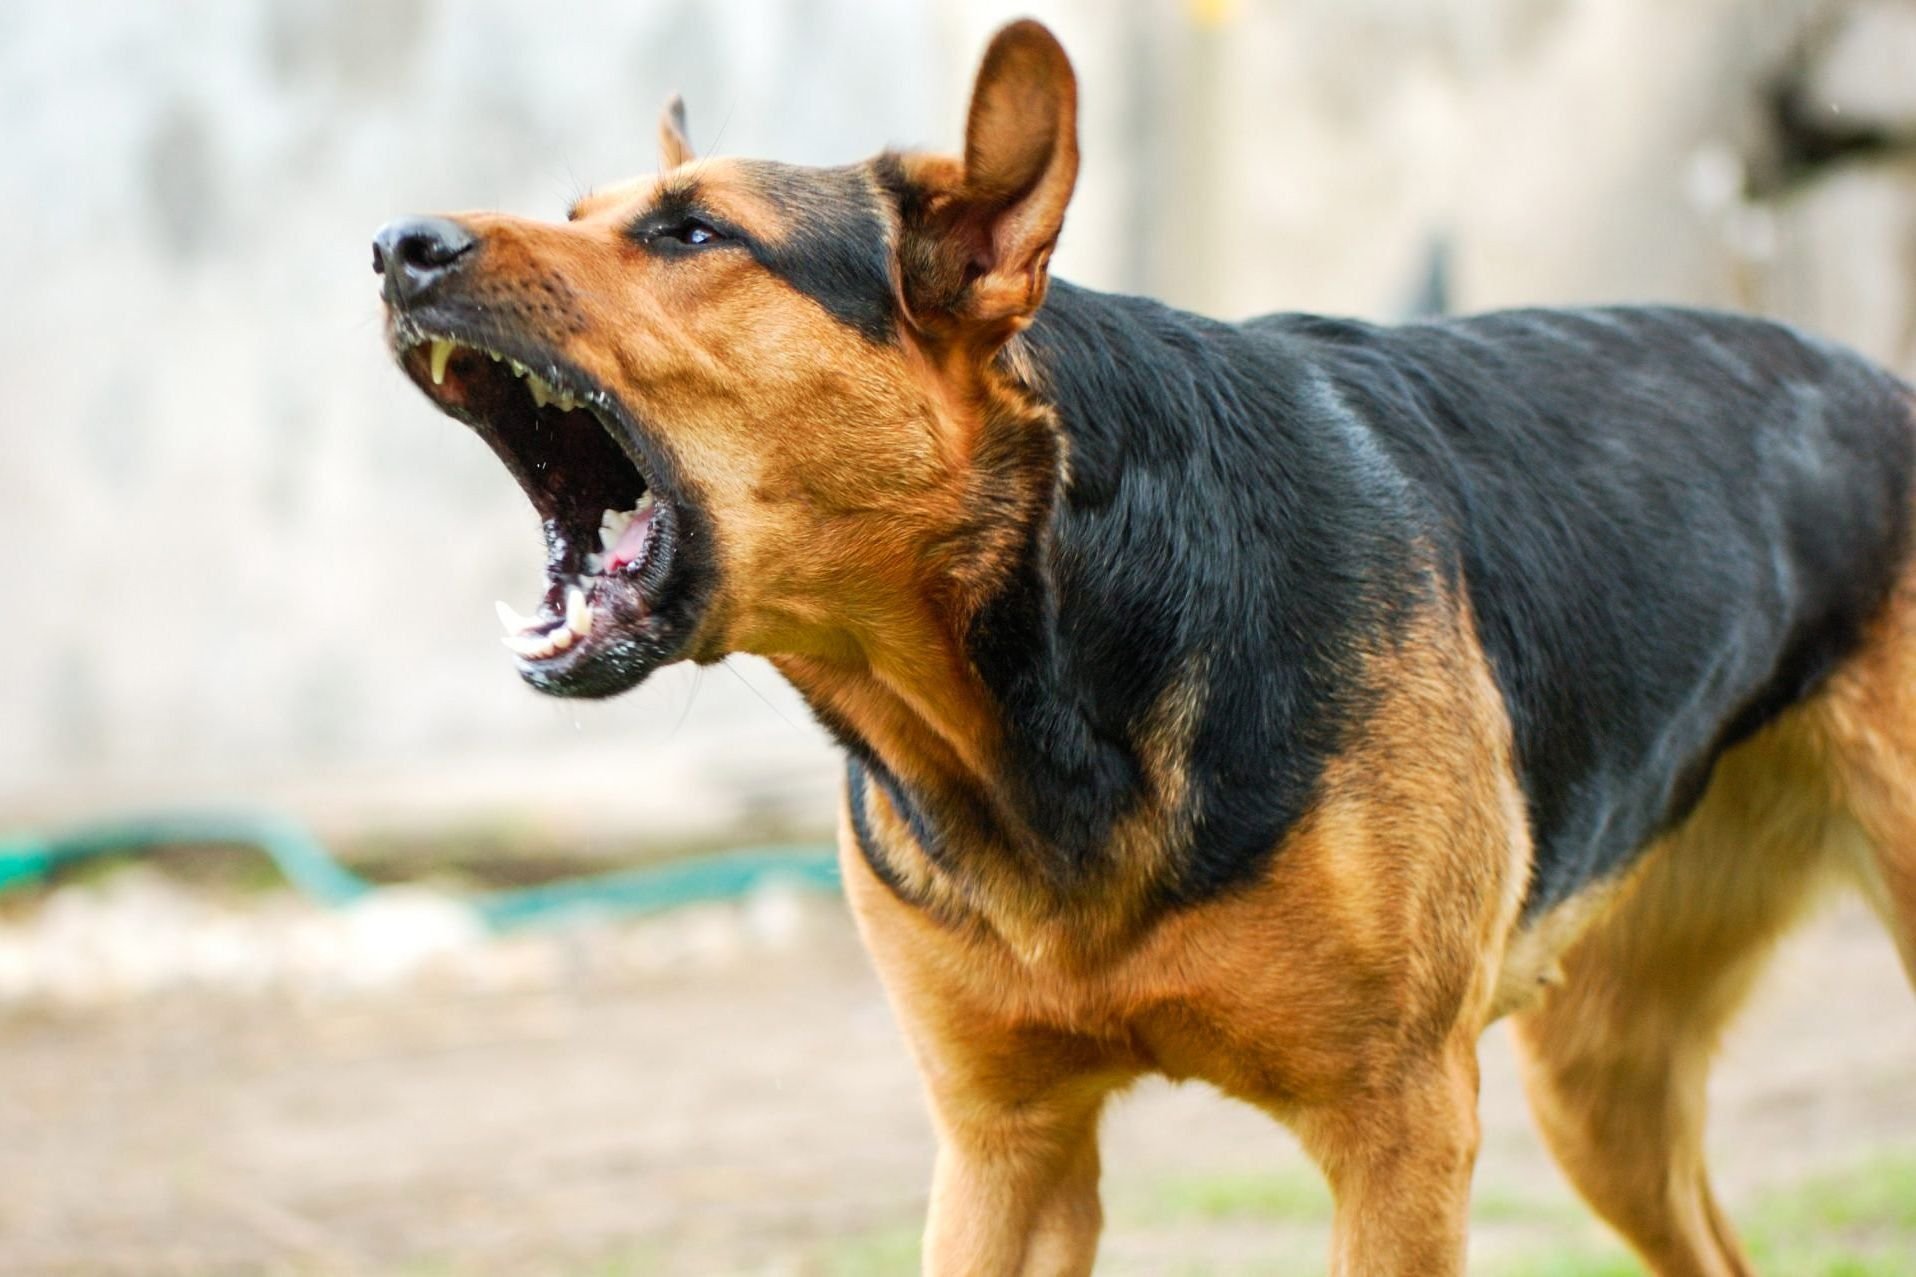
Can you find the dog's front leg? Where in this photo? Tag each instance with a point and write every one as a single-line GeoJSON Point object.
{"type": "Point", "coordinates": [1399, 1158]}
{"type": "Point", "coordinates": [1016, 1185]}
{"type": "Point", "coordinates": [1015, 1101]}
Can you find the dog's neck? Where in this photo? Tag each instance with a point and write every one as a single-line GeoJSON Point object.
{"type": "Point", "coordinates": [1051, 728]}
{"type": "Point", "coordinates": [981, 711]}
{"type": "Point", "coordinates": [961, 695]}
{"type": "Point", "coordinates": [1011, 792]}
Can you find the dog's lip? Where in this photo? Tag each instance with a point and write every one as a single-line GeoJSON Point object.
{"type": "Point", "coordinates": [622, 609]}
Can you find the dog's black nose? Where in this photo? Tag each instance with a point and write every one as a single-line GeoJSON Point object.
{"type": "Point", "coordinates": [414, 253]}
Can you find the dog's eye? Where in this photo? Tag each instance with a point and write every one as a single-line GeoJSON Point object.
{"type": "Point", "coordinates": [690, 231]}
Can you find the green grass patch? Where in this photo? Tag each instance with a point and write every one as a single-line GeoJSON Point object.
{"type": "Point", "coordinates": [1860, 1222]}
{"type": "Point", "coordinates": [882, 1252]}
{"type": "Point", "coordinates": [1568, 1263]}
{"type": "Point", "coordinates": [1879, 1194]}
{"type": "Point", "coordinates": [1298, 1197]}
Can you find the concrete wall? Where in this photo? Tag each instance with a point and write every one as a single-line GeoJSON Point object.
{"type": "Point", "coordinates": [245, 562]}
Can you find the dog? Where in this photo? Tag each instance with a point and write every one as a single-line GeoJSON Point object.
{"type": "Point", "coordinates": [1276, 704]}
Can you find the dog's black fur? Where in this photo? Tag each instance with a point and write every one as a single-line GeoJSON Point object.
{"type": "Point", "coordinates": [1669, 523]}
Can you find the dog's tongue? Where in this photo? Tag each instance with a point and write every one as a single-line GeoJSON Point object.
{"type": "Point", "coordinates": [630, 547]}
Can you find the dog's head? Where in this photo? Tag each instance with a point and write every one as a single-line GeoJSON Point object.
{"type": "Point", "coordinates": [758, 407]}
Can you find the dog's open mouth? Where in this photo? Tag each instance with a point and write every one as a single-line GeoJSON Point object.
{"type": "Point", "coordinates": [612, 533]}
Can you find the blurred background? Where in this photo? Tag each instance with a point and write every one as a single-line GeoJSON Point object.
{"type": "Point", "coordinates": [201, 1071]}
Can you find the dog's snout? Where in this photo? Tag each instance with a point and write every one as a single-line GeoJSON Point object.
{"type": "Point", "coordinates": [415, 253]}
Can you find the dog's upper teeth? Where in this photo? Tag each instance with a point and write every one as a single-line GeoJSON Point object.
{"type": "Point", "coordinates": [542, 392]}
{"type": "Point", "coordinates": [646, 502]}
{"type": "Point", "coordinates": [441, 352]}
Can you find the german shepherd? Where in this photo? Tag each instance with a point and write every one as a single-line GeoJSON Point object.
{"type": "Point", "coordinates": [1274, 703]}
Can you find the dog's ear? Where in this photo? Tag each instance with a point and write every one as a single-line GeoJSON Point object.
{"type": "Point", "coordinates": [674, 147]}
{"type": "Point", "coordinates": [977, 238]}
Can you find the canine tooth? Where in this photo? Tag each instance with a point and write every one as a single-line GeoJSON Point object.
{"type": "Point", "coordinates": [441, 352]}
{"type": "Point", "coordinates": [561, 638]}
{"type": "Point", "coordinates": [578, 617]}
{"type": "Point", "coordinates": [514, 623]}
{"type": "Point", "coordinates": [530, 646]}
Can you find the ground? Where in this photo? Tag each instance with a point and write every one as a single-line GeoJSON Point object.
{"type": "Point", "coordinates": [724, 1092]}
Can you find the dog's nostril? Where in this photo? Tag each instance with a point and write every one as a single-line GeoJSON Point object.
{"type": "Point", "coordinates": [414, 251]}
{"type": "Point", "coordinates": [431, 250]}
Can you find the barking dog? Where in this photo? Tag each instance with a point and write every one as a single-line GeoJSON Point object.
{"type": "Point", "coordinates": [1275, 703]}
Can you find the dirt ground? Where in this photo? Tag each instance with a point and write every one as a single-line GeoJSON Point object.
{"type": "Point", "coordinates": [743, 1107]}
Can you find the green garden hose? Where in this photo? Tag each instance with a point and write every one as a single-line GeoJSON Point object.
{"type": "Point", "coordinates": [311, 868]}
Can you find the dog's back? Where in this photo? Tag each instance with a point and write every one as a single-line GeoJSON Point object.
{"type": "Point", "coordinates": [1671, 525]}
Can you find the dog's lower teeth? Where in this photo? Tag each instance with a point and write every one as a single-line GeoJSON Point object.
{"type": "Point", "coordinates": [613, 523]}
{"type": "Point", "coordinates": [531, 646]}
{"type": "Point", "coordinates": [510, 618]}
{"type": "Point", "coordinates": [522, 639]}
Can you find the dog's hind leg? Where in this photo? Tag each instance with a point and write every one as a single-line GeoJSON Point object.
{"type": "Point", "coordinates": [1616, 1056]}
{"type": "Point", "coordinates": [1871, 730]}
